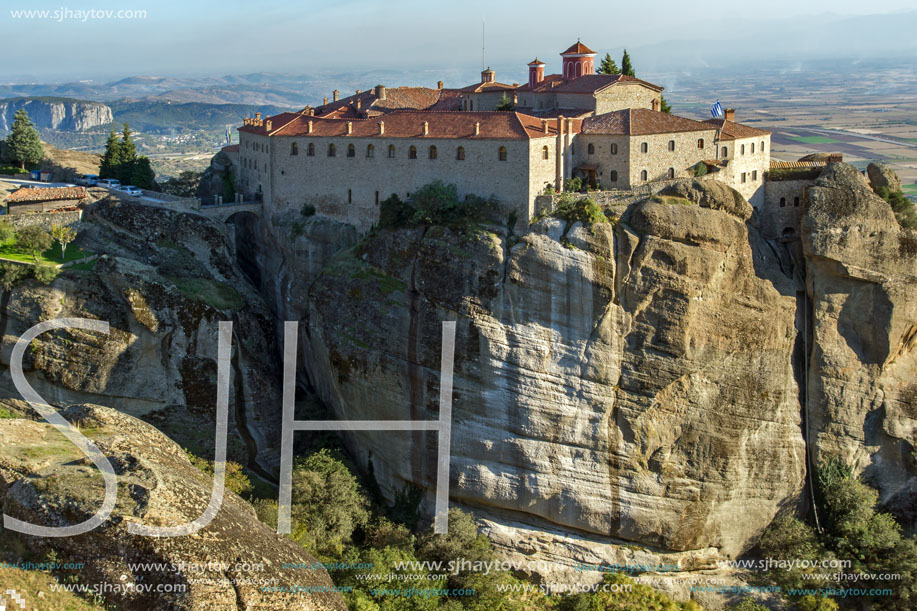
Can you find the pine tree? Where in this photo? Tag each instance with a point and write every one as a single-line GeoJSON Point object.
{"type": "Point", "coordinates": [627, 68]}
{"type": "Point", "coordinates": [23, 144]}
{"type": "Point", "coordinates": [142, 174]}
{"type": "Point", "coordinates": [608, 66]}
{"type": "Point", "coordinates": [128, 156]}
{"type": "Point", "coordinates": [110, 165]}
{"type": "Point", "coordinates": [664, 105]}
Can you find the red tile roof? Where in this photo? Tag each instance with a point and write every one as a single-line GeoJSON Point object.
{"type": "Point", "coordinates": [396, 98]}
{"type": "Point", "coordinates": [588, 83]}
{"type": "Point", "coordinates": [485, 87]}
{"type": "Point", "coordinates": [409, 124]}
{"type": "Point", "coordinates": [578, 49]}
{"type": "Point", "coordinates": [784, 165]}
{"type": "Point", "coordinates": [45, 194]}
{"type": "Point", "coordinates": [232, 148]}
{"type": "Point", "coordinates": [536, 62]}
{"type": "Point", "coordinates": [730, 130]}
{"type": "Point", "coordinates": [641, 122]}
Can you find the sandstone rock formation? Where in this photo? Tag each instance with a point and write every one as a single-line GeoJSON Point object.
{"type": "Point", "coordinates": [882, 175]}
{"type": "Point", "coordinates": [45, 480]}
{"type": "Point", "coordinates": [861, 276]}
{"type": "Point", "coordinates": [631, 385]}
{"type": "Point", "coordinates": [56, 113]}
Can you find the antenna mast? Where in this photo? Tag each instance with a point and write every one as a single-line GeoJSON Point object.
{"type": "Point", "coordinates": [483, 56]}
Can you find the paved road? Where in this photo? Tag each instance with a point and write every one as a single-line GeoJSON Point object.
{"type": "Point", "coordinates": [35, 183]}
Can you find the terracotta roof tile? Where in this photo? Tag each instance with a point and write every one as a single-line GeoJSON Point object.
{"type": "Point", "coordinates": [578, 49]}
{"type": "Point", "coordinates": [483, 87]}
{"type": "Point", "coordinates": [409, 124]}
{"type": "Point", "coordinates": [232, 148]}
{"type": "Point", "coordinates": [588, 83]}
{"type": "Point", "coordinates": [641, 122]}
{"type": "Point", "coordinates": [45, 194]}
{"type": "Point", "coordinates": [730, 130]}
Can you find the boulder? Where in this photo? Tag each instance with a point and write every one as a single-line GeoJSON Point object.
{"type": "Point", "coordinates": [882, 175]}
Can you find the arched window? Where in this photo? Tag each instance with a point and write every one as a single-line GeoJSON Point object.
{"type": "Point", "coordinates": [370, 150]}
{"type": "Point", "coordinates": [762, 146]}
{"type": "Point", "coordinates": [742, 150]}
{"type": "Point", "coordinates": [432, 152]}
{"type": "Point", "coordinates": [545, 154]}
{"type": "Point", "coordinates": [783, 202]}
{"type": "Point", "coordinates": [725, 152]}
{"type": "Point", "coordinates": [643, 175]}
{"type": "Point", "coordinates": [412, 152]}
{"type": "Point", "coordinates": [644, 147]}
{"type": "Point", "coordinates": [294, 149]}
{"type": "Point", "coordinates": [752, 148]}
{"type": "Point", "coordinates": [351, 150]}
{"type": "Point", "coordinates": [700, 143]}
{"type": "Point", "coordinates": [590, 149]}
{"type": "Point", "coordinates": [391, 150]}
{"type": "Point", "coordinates": [671, 145]}
{"type": "Point", "coordinates": [614, 148]}
{"type": "Point", "coordinates": [310, 150]}
{"type": "Point", "coordinates": [613, 175]}
{"type": "Point", "coordinates": [670, 173]}
{"type": "Point", "coordinates": [501, 153]}
{"type": "Point", "coordinates": [460, 153]}
{"type": "Point", "coordinates": [331, 150]}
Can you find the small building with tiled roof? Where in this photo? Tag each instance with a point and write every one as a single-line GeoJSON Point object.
{"type": "Point", "coordinates": [44, 199]}
{"type": "Point", "coordinates": [745, 151]}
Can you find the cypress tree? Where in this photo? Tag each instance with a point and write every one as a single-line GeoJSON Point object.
{"type": "Point", "coordinates": [608, 66]}
{"type": "Point", "coordinates": [23, 145]}
{"type": "Point", "coordinates": [626, 67]}
{"type": "Point", "coordinates": [142, 174]}
{"type": "Point", "coordinates": [111, 161]}
{"type": "Point", "coordinates": [128, 156]}
{"type": "Point", "coordinates": [664, 105]}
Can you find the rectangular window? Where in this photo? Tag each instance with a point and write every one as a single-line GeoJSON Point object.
{"type": "Point", "coordinates": [743, 176]}
{"type": "Point", "coordinates": [754, 175]}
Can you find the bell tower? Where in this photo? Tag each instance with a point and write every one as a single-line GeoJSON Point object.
{"type": "Point", "coordinates": [578, 60]}
{"type": "Point", "coordinates": [536, 72]}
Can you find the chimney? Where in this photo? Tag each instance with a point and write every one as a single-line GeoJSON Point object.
{"type": "Point", "coordinates": [426, 128]}
{"type": "Point", "coordinates": [267, 125]}
{"type": "Point", "coordinates": [358, 92]}
{"type": "Point", "coordinates": [335, 95]}
{"type": "Point", "coordinates": [381, 127]}
{"type": "Point", "coordinates": [308, 110]}
{"type": "Point", "coordinates": [324, 101]}
{"type": "Point", "coordinates": [380, 92]}
{"type": "Point", "coordinates": [349, 127]}
{"type": "Point", "coordinates": [439, 84]}
{"type": "Point", "coordinates": [544, 125]}
{"type": "Point", "coordinates": [731, 114]}
{"type": "Point", "coordinates": [655, 104]}
{"type": "Point", "coordinates": [359, 103]}
{"type": "Point", "coordinates": [309, 129]}
{"type": "Point", "coordinates": [257, 115]}
{"type": "Point", "coordinates": [477, 128]}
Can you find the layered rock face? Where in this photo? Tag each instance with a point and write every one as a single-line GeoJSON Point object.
{"type": "Point", "coordinates": [46, 480]}
{"type": "Point", "coordinates": [629, 385]}
{"type": "Point", "coordinates": [57, 114]}
{"type": "Point", "coordinates": [168, 282]}
{"type": "Point", "coordinates": [862, 275]}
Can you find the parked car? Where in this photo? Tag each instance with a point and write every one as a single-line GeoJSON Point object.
{"type": "Point", "coordinates": [131, 190]}
{"type": "Point", "coordinates": [110, 183]}
{"type": "Point", "coordinates": [89, 180]}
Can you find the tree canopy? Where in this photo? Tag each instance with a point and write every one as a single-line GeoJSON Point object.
{"type": "Point", "coordinates": [627, 68]}
{"type": "Point", "coordinates": [608, 66]}
{"type": "Point", "coordinates": [23, 144]}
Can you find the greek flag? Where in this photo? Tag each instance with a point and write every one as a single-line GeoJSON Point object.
{"type": "Point", "coordinates": [717, 110]}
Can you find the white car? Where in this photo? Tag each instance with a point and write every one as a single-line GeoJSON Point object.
{"type": "Point", "coordinates": [131, 190]}
{"type": "Point", "coordinates": [110, 183]}
{"type": "Point", "coordinates": [90, 180]}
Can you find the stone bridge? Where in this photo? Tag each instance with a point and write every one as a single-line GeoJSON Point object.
{"type": "Point", "coordinates": [224, 212]}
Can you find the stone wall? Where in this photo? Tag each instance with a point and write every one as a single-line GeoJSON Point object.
{"type": "Point", "coordinates": [776, 218]}
{"type": "Point", "coordinates": [753, 165]}
{"type": "Point", "coordinates": [70, 218]}
{"type": "Point", "coordinates": [621, 96]}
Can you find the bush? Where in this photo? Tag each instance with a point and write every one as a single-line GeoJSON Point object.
{"type": "Point", "coordinates": [583, 210]}
{"type": "Point", "coordinates": [34, 240]}
{"type": "Point", "coordinates": [574, 184]}
{"type": "Point", "coordinates": [12, 274]}
{"type": "Point", "coordinates": [236, 480]}
{"type": "Point", "coordinates": [901, 206]}
{"type": "Point", "coordinates": [394, 213]}
{"type": "Point", "coordinates": [748, 604]}
{"type": "Point", "coordinates": [815, 603]}
{"type": "Point", "coordinates": [7, 232]}
{"type": "Point", "coordinates": [700, 168]}
{"type": "Point", "coordinates": [45, 272]}
{"type": "Point", "coordinates": [436, 203]}
{"type": "Point", "coordinates": [11, 170]}
{"type": "Point", "coordinates": [307, 210]}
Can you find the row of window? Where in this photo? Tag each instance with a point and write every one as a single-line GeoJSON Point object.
{"type": "Point", "coordinates": [258, 146]}
{"type": "Point", "coordinates": [644, 147]}
{"type": "Point", "coordinates": [783, 202]}
{"type": "Point", "coordinates": [754, 176]}
{"type": "Point", "coordinates": [432, 152]}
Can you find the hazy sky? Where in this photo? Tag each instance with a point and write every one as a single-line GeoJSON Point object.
{"type": "Point", "coordinates": [231, 36]}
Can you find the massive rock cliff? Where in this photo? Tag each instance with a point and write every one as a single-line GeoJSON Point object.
{"type": "Point", "coordinates": [629, 385]}
{"type": "Point", "coordinates": [862, 393]}
{"type": "Point", "coordinates": [56, 113]}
